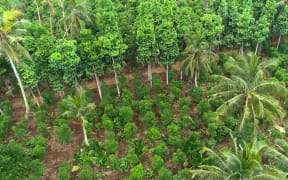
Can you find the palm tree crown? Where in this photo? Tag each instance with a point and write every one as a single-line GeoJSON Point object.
{"type": "Point", "coordinates": [248, 89]}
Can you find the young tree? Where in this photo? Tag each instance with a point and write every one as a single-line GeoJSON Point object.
{"type": "Point", "coordinates": [166, 35]}
{"type": "Point", "coordinates": [78, 107]}
{"type": "Point", "coordinates": [147, 50]}
{"type": "Point", "coordinates": [110, 39]}
{"type": "Point", "coordinates": [282, 24]}
{"type": "Point", "coordinates": [11, 32]}
{"type": "Point", "coordinates": [90, 56]}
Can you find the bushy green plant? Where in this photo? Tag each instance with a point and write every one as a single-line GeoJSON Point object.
{"type": "Point", "coordinates": [166, 116]}
{"type": "Point", "coordinates": [63, 132]}
{"type": "Point", "coordinates": [179, 157]}
{"type": "Point", "coordinates": [130, 130]}
{"type": "Point", "coordinates": [107, 123]}
{"type": "Point", "coordinates": [161, 149]}
{"type": "Point", "coordinates": [184, 104]}
{"type": "Point", "coordinates": [277, 134]}
{"type": "Point", "coordinates": [48, 97]}
{"type": "Point", "coordinates": [20, 129]}
{"type": "Point", "coordinates": [203, 106]}
{"type": "Point", "coordinates": [176, 92]}
{"type": "Point", "coordinates": [37, 147]}
{"type": "Point", "coordinates": [42, 128]}
{"type": "Point", "coordinates": [184, 174]}
{"type": "Point", "coordinates": [113, 162]}
{"type": "Point", "coordinates": [110, 145]}
{"type": "Point", "coordinates": [153, 134]}
{"type": "Point", "coordinates": [192, 147]}
{"type": "Point", "coordinates": [6, 107]}
{"type": "Point", "coordinates": [186, 120]}
{"type": "Point", "coordinates": [132, 158]}
{"type": "Point", "coordinates": [165, 174]}
{"type": "Point", "coordinates": [126, 114]}
{"type": "Point", "coordinates": [143, 106]}
{"type": "Point", "coordinates": [86, 173]}
{"type": "Point", "coordinates": [157, 163]}
{"type": "Point", "coordinates": [196, 94]}
{"type": "Point", "coordinates": [63, 172]}
{"type": "Point", "coordinates": [156, 82]}
{"type": "Point", "coordinates": [137, 172]}
{"type": "Point", "coordinates": [37, 168]}
{"type": "Point", "coordinates": [4, 125]}
{"type": "Point", "coordinates": [149, 119]}
{"type": "Point", "coordinates": [110, 111]}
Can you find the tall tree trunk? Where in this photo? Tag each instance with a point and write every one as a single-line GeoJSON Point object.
{"type": "Point", "coordinates": [150, 74]}
{"type": "Point", "coordinates": [85, 134]}
{"type": "Point", "coordinates": [1, 112]}
{"type": "Point", "coordinates": [39, 93]}
{"type": "Point", "coordinates": [20, 84]}
{"type": "Point", "coordinates": [116, 79]}
{"type": "Point", "coordinates": [278, 43]}
{"type": "Point", "coordinates": [181, 75]}
{"type": "Point", "coordinates": [34, 97]}
{"type": "Point", "coordinates": [167, 74]}
{"type": "Point", "coordinates": [38, 12]}
{"type": "Point", "coordinates": [98, 83]}
{"type": "Point", "coordinates": [195, 81]}
{"type": "Point", "coordinates": [256, 50]}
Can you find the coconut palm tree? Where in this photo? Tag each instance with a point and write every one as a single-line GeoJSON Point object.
{"type": "Point", "coordinates": [78, 107]}
{"type": "Point", "coordinates": [73, 12]}
{"type": "Point", "coordinates": [11, 32]}
{"type": "Point", "coordinates": [196, 57]}
{"type": "Point", "coordinates": [247, 88]}
{"type": "Point", "coordinates": [244, 162]}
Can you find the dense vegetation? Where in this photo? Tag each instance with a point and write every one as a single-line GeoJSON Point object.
{"type": "Point", "coordinates": [211, 104]}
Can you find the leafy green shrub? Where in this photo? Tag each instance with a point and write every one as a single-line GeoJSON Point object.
{"type": "Point", "coordinates": [176, 92]}
{"type": "Point", "coordinates": [184, 104]}
{"type": "Point", "coordinates": [110, 111]}
{"type": "Point", "coordinates": [282, 75]}
{"type": "Point", "coordinates": [184, 174]}
{"type": "Point", "coordinates": [130, 130]}
{"type": "Point", "coordinates": [161, 149]}
{"type": "Point", "coordinates": [203, 106]}
{"type": "Point", "coordinates": [113, 162]}
{"type": "Point", "coordinates": [179, 157]}
{"type": "Point", "coordinates": [156, 82]}
{"type": "Point", "coordinates": [126, 114]}
{"type": "Point", "coordinates": [137, 146]}
{"type": "Point", "coordinates": [149, 119]}
{"type": "Point", "coordinates": [132, 158]}
{"type": "Point", "coordinates": [143, 106]}
{"type": "Point", "coordinates": [110, 145]}
{"type": "Point", "coordinates": [63, 132]}
{"type": "Point", "coordinates": [63, 172]}
{"type": "Point", "coordinates": [196, 94]}
{"type": "Point", "coordinates": [41, 115]}
{"type": "Point", "coordinates": [166, 116]}
{"type": "Point", "coordinates": [6, 107]}
{"type": "Point", "coordinates": [165, 174]}
{"type": "Point", "coordinates": [37, 147]}
{"type": "Point", "coordinates": [277, 134]}
{"type": "Point", "coordinates": [186, 120]}
{"type": "Point", "coordinates": [20, 129]}
{"type": "Point", "coordinates": [86, 173]}
{"type": "Point", "coordinates": [4, 125]}
{"type": "Point", "coordinates": [37, 168]}
{"type": "Point", "coordinates": [153, 134]}
{"type": "Point", "coordinates": [192, 147]}
{"type": "Point", "coordinates": [107, 123]}
{"type": "Point", "coordinates": [48, 97]}
{"type": "Point", "coordinates": [137, 172]}
{"type": "Point", "coordinates": [42, 128]}
{"type": "Point", "coordinates": [230, 122]}
{"type": "Point", "coordinates": [157, 163]}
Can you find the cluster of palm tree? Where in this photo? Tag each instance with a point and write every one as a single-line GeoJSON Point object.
{"type": "Point", "coordinates": [244, 162]}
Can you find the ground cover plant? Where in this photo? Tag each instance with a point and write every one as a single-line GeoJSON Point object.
{"type": "Point", "coordinates": [170, 89]}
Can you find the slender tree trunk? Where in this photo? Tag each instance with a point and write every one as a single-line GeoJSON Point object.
{"type": "Point", "coordinates": [51, 24]}
{"type": "Point", "coordinates": [34, 97]}
{"type": "Point", "coordinates": [85, 134]}
{"type": "Point", "coordinates": [116, 79]}
{"type": "Point", "coordinates": [39, 93]}
{"type": "Point", "coordinates": [98, 83]}
{"type": "Point", "coordinates": [195, 81]}
{"type": "Point", "coordinates": [150, 74]}
{"type": "Point", "coordinates": [181, 75]}
{"type": "Point", "coordinates": [20, 84]}
{"type": "Point", "coordinates": [1, 112]}
{"type": "Point", "coordinates": [256, 50]}
{"type": "Point", "coordinates": [279, 40]}
{"type": "Point", "coordinates": [167, 74]}
{"type": "Point", "coordinates": [38, 12]}
{"type": "Point", "coordinates": [62, 93]}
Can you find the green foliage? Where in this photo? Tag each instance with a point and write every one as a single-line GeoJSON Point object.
{"type": "Point", "coordinates": [126, 114]}
{"type": "Point", "coordinates": [86, 173]}
{"type": "Point", "coordinates": [20, 129]}
{"type": "Point", "coordinates": [156, 82]}
{"type": "Point", "coordinates": [107, 123]}
{"type": "Point", "coordinates": [130, 130]}
{"type": "Point", "coordinates": [48, 97]}
{"type": "Point", "coordinates": [63, 172]}
{"type": "Point", "coordinates": [4, 125]}
{"type": "Point", "coordinates": [196, 94]}
{"type": "Point", "coordinates": [137, 172]}
{"type": "Point", "coordinates": [161, 149]}
{"type": "Point", "coordinates": [153, 134]}
{"type": "Point", "coordinates": [6, 107]}
{"type": "Point", "coordinates": [157, 163]}
{"type": "Point", "coordinates": [165, 174]}
{"type": "Point", "coordinates": [63, 132]}
{"type": "Point", "coordinates": [179, 157]}
{"type": "Point", "coordinates": [203, 106]}
{"type": "Point", "coordinates": [149, 119]}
